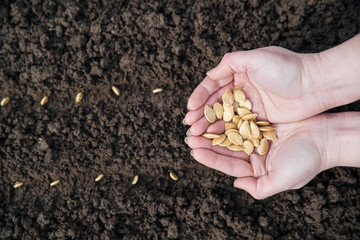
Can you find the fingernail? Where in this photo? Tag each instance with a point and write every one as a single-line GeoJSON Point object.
{"type": "Point", "coordinates": [188, 132]}
{"type": "Point", "coordinates": [183, 122]}
{"type": "Point", "coordinates": [185, 140]}
{"type": "Point", "coordinates": [210, 72]}
{"type": "Point", "coordinates": [191, 152]}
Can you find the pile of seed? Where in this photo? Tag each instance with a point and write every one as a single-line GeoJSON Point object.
{"type": "Point", "coordinates": [242, 130]}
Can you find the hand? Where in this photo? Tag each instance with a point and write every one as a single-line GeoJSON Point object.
{"type": "Point", "coordinates": [275, 80]}
{"type": "Point", "coordinates": [292, 161]}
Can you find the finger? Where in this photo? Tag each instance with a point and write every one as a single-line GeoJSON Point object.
{"type": "Point", "coordinates": [235, 167]}
{"type": "Point", "coordinates": [217, 127]}
{"type": "Point", "coordinates": [202, 92]}
{"type": "Point", "coordinates": [260, 188]}
{"type": "Point", "coordinates": [199, 127]}
{"type": "Point", "coordinates": [231, 63]}
{"type": "Point", "coordinates": [194, 115]}
{"type": "Point", "coordinates": [201, 142]}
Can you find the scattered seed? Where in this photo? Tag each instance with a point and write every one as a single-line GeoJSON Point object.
{"type": "Point", "coordinates": [262, 123]}
{"type": "Point", "coordinates": [217, 141]}
{"type": "Point", "coordinates": [157, 90]}
{"type": "Point", "coordinates": [248, 147]}
{"type": "Point", "coordinates": [99, 177]}
{"type": "Point", "coordinates": [135, 180]}
{"type": "Point", "coordinates": [54, 183]}
{"type": "Point", "coordinates": [79, 97]}
{"type": "Point", "coordinates": [228, 97]}
{"type": "Point", "coordinates": [5, 101]}
{"type": "Point", "coordinates": [116, 90]}
{"type": "Point", "coordinates": [209, 114]}
{"type": "Point", "coordinates": [239, 95]}
{"type": "Point", "coordinates": [225, 143]}
{"type": "Point", "coordinates": [267, 128]}
{"type": "Point", "coordinates": [173, 176]}
{"type": "Point", "coordinates": [228, 113]}
{"type": "Point", "coordinates": [235, 148]}
{"type": "Point", "coordinates": [243, 111]}
{"type": "Point", "coordinates": [210, 135]}
{"type": "Point", "coordinates": [255, 131]}
{"type": "Point", "coordinates": [230, 126]}
{"type": "Point", "coordinates": [247, 104]}
{"type": "Point", "coordinates": [235, 138]}
{"type": "Point", "coordinates": [270, 135]}
{"type": "Point", "coordinates": [219, 110]}
{"type": "Point", "coordinates": [44, 101]}
{"type": "Point", "coordinates": [245, 130]}
{"type": "Point", "coordinates": [18, 184]}
{"type": "Point", "coordinates": [264, 146]}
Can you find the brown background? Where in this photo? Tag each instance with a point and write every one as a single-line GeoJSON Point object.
{"type": "Point", "coordinates": [58, 48]}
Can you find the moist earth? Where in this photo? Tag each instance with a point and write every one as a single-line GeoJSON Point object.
{"type": "Point", "coordinates": [59, 48]}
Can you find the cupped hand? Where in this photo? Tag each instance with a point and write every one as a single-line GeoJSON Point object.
{"type": "Point", "coordinates": [292, 161]}
{"type": "Point", "coordinates": [276, 80]}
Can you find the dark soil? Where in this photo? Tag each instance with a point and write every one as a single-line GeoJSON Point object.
{"type": "Point", "coordinates": [58, 48]}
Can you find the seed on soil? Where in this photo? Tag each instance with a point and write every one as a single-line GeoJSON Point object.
{"type": "Point", "coordinates": [239, 95]}
{"type": "Point", "coordinates": [217, 141]}
{"type": "Point", "coordinates": [235, 138]}
{"type": "Point", "coordinates": [44, 101]}
{"type": "Point", "coordinates": [210, 135]}
{"type": "Point", "coordinates": [225, 143]}
{"type": "Point", "coordinates": [116, 90]}
{"type": "Point", "coordinates": [157, 90]}
{"type": "Point", "coordinates": [219, 110]}
{"type": "Point", "coordinates": [228, 113]}
{"type": "Point", "coordinates": [228, 98]}
{"type": "Point", "coordinates": [209, 114]}
{"type": "Point", "coordinates": [135, 180]}
{"type": "Point", "coordinates": [248, 147]}
{"type": "Point", "coordinates": [54, 183]}
{"type": "Point", "coordinates": [18, 184]}
{"type": "Point", "coordinates": [173, 176]}
{"type": "Point", "coordinates": [262, 123]}
{"type": "Point", "coordinates": [235, 148]}
{"type": "Point", "coordinates": [264, 146]}
{"type": "Point", "coordinates": [79, 97]}
{"type": "Point", "coordinates": [99, 177]}
{"type": "Point", "coordinates": [267, 128]}
{"type": "Point", "coordinates": [270, 135]}
{"type": "Point", "coordinates": [5, 101]}
{"type": "Point", "coordinates": [230, 126]}
{"type": "Point", "coordinates": [243, 111]}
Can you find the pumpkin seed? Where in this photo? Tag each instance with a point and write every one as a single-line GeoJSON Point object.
{"type": "Point", "coordinates": [210, 135]}
{"type": "Point", "coordinates": [217, 141]}
{"type": "Point", "coordinates": [262, 123]}
{"type": "Point", "coordinates": [230, 126]}
{"type": "Point", "coordinates": [231, 130]}
{"type": "Point", "coordinates": [209, 114]}
{"type": "Point", "coordinates": [5, 101]}
{"type": "Point", "coordinates": [239, 95]}
{"type": "Point", "coordinates": [54, 183]}
{"type": "Point", "coordinates": [225, 143]}
{"type": "Point", "coordinates": [79, 97]}
{"type": "Point", "coordinates": [249, 117]}
{"type": "Point", "coordinates": [157, 90]}
{"type": "Point", "coordinates": [255, 141]}
{"type": "Point", "coordinates": [243, 111]}
{"type": "Point", "coordinates": [135, 180]}
{"type": "Point", "coordinates": [245, 130]}
{"type": "Point", "coordinates": [44, 101]}
{"type": "Point", "coordinates": [173, 176]}
{"type": "Point", "coordinates": [236, 119]}
{"type": "Point", "coordinates": [99, 177]}
{"type": "Point", "coordinates": [247, 104]}
{"type": "Point", "coordinates": [116, 90]}
{"type": "Point", "coordinates": [248, 147]}
{"type": "Point", "coordinates": [267, 128]}
{"type": "Point", "coordinates": [235, 138]}
{"type": "Point", "coordinates": [255, 132]}
{"type": "Point", "coordinates": [228, 113]}
{"type": "Point", "coordinates": [18, 184]}
{"type": "Point", "coordinates": [270, 135]}
{"type": "Point", "coordinates": [219, 110]}
{"type": "Point", "coordinates": [228, 97]}
{"type": "Point", "coordinates": [264, 146]}
{"type": "Point", "coordinates": [235, 148]}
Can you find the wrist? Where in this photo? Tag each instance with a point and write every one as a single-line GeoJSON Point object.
{"type": "Point", "coordinates": [341, 138]}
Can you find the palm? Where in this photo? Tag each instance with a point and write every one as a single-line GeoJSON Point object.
{"type": "Point", "coordinates": [292, 161]}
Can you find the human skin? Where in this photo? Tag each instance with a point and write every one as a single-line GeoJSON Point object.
{"type": "Point", "coordinates": [285, 88]}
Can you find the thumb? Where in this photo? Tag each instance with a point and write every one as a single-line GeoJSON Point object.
{"type": "Point", "coordinates": [230, 64]}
